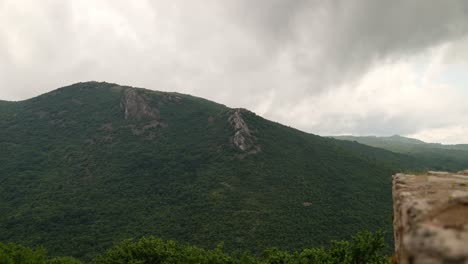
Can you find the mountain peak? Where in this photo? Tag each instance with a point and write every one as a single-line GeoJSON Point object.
{"type": "Point", "coordinates": [405, 139]}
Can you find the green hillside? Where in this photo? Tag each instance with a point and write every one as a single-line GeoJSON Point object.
{"type": "Point", "coordinates": [442, 157]}
{"type": "Point", "coordinates": [94, 163]}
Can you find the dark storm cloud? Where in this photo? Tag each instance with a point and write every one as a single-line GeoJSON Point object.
{"type": "Point", "coordinates": [369, 31]}
{"type": "Point", "coordinates": [336, 41]}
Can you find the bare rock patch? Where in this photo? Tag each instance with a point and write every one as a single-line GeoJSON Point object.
{"type": "Point", "coordinates": [137, 107]}
{"type": "Point", "coordinates": [242, 138]}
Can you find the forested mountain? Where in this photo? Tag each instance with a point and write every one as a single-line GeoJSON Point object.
{"type": "Point", "coordinates": [94, 163]}
{"type": "Point", "coordinates": [442, 157]}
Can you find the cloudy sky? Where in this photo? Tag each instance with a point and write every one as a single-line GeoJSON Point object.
{"type": "Point", "coordinates": [362, 67]}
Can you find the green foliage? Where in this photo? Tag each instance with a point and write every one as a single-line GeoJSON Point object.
{"type": "Point", "coordinates": [64, 260]}
{"type": "Point", "coordinates": [16, 254]}
{"type": "Point", "coordinates": [365, 247]}
{"type": "Point", "coordinates": [12, 254]}
{"type": "Point", "coordinates": [154, 250]}
{"type": "Point", "coordinates": [76, 176]}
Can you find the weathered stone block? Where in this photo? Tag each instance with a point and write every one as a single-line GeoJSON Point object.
{"type": "Point", "coordinates": [431, 218]}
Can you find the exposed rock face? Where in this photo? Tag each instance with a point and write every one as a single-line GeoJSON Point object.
{"type": "Point", "coordinates": [243, 138]}
{"type": "Point", "coordinates": [242, 131]}
{"type": "Point", "coordinates": [137, 107]}
{"type": "Point", "coordinates": [431, 217]}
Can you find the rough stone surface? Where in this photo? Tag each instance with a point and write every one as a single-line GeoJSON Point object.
{"type": "Point", "coordinates": [143, 112]}
{"type": "Point", "coordinates": [136, 106]}
{"type": "Point", "coordinates": [431, 217]}
{"type": "Point", "coordinates": [242, 138]}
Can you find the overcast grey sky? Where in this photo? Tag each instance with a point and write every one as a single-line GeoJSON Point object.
{"type": "Point", "coordinates": [362, 67]}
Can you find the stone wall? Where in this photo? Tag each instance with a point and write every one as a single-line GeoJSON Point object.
{"type": "Point", "coordinates": [431, 218]}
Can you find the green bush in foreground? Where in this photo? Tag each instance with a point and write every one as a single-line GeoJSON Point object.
{"type": "Point", "coordinates": [17, 254]}
{"type": "Point", "coordinates": [365, 247]}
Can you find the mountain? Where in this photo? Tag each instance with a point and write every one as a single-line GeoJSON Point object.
{"type": "Point", "coordinates": [93, 163]}
{"type": "Point", "coordinates": [442, 157]}
{"type": "Point", "coordinates": [392, 140]}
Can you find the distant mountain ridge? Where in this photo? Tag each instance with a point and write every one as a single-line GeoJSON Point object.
{"type": "Point", "coordinates": [394, 139]}
{"type": "Point", "coordinates": [93, 163]}
{"type": "Point", "coordinates": [397, 139]}
{"type": "Point", "coordinates": [439, 155]}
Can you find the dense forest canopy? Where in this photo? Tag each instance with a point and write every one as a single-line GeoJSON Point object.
{"type": "Point", "coordinates": [365, 247]}
{"type": "Point", "coordinates": [95, 163]}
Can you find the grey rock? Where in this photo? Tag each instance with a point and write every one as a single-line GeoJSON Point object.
{"type": "Point", "coordinates": [430, 218]}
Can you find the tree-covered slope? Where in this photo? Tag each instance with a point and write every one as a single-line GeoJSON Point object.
{"type": "Point", "coordinates": [94, 163]}
{"type": "Point", "coordinates": [440, 156]}
{"type": "Point", "coordinates": [365, 247]}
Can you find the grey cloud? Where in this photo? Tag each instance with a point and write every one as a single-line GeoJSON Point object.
{"type": "Point", "coordinates": [264, 55]}
{"type": "Point", "coordinates": [272, 20]}
{"type": "Point", "coordinates": [359, 34]}
{"type": "Point", "coordinates": [374, 123]}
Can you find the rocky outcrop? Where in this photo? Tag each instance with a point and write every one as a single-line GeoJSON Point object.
{"type": "Point", "coordinates": [431, 217]}
{"type": "Point", "coordinates": [140, 108]}
{"type": "Point", "coordinates": [137, 107]}
{"type": "Point", "coordinates": [242, 138]}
